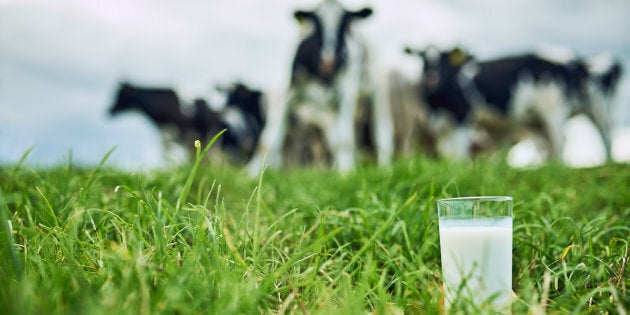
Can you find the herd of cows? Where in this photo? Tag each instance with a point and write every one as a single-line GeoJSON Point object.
{"type": "Point", "coordinates": [339, 108]}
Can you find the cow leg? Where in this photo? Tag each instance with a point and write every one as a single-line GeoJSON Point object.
{"type": "Point", "coordinates": [341, 138]}
{"type": "Point", "coordinates": [459, 143]}
{"type": "Point", "coordinates": [382, 120]}
{"type": "Point", "coordinates": [174, 151]}
{"type": "Point", "coordinates": [598, 112]}
{"type": "Point", "coordinates": [407, 112]}
{"type": "Point", "coordinates": [553, 110]}
{"type": "Point", "coordinates": [544, 102]}
{"type": "Point", "coordinates": [269, 146]}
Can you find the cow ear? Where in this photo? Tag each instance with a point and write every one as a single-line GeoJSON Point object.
{"type": "Point", "coordinates": [617, 69]}
{"type": "Point", "coordinates": [302, 15]}
{"type": "Point", "coordinates": [363, 13]}
{"type": "Point", "coordinates": [458, 57]}
{"type": "Point", "coordinates": [412, 51]}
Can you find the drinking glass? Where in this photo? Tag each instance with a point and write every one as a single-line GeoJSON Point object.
{"type": "Point", "coordinates": [476, 250]}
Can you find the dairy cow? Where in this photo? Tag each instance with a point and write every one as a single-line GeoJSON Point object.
{"type": "Point", "coordinates": [241, 116]}
{"type": "Point", "coordinates": [522, 90]}
{"type": "Point", "coordinates": [161, 105]}
{"type": "Point", "coordinates": [330, 75]}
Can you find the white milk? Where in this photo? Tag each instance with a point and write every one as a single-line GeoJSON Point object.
{"type": "Point", "coordinates": [479, 251]}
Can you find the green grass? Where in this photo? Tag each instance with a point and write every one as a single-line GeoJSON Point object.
{"type": "Point", "coordinates": [208, 239]}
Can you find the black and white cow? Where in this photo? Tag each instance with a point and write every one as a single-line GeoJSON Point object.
{"type": "Point", "coordinates": [526, 89]}
{"type": "Point", "coordinates": [241, 116]}
{"type": "Point", "coordinates": [330, 75]}
{"type": "Point", "coordinates": [161, 105]}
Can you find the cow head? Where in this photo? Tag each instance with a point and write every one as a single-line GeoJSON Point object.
{"type": "Point", "coordinates": [323, 52]}
{"type": "Point", "coordinates": [124, 99]}
{"type": "Point", "coordinates": [247, 100]}
{"type": "Point", "coordinates": [244, 97]}
{"type": "Point", "coordinates": [440, 67]}
{"type": "Point", "coordinates": [606, 72]}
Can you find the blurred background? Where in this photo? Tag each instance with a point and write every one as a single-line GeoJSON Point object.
{"type": "Point", "coordinates": [61, 62]}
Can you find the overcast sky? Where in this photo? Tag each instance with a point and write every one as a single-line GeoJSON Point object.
{"type": "Point", "coordinates": [61, 61]}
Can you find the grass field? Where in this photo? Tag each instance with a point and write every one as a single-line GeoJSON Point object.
{"type": "Point", "coordinates": [208, 239]}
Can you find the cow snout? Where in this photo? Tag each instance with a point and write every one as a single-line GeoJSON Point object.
{"type": "Point", "coordinates": [327, 67]}
{"type": "Point", "coordinates": [113, 110]}
{"type": "Point", "coordinates": [431, 81]}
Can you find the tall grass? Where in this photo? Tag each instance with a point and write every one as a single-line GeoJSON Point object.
{"type": "Point", "coordinates": [205, 238]}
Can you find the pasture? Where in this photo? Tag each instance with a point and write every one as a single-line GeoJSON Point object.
{"type": "Point", "coordinates": [202, 238]}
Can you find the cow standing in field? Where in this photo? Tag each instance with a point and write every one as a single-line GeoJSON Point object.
{"type": "Point", "coordinates": [505, 94]}
{"type": "Point", "coordinates": [241, 116]}
{"type": "Point", "coordinates": [163, 107]}
{"type": "Point", "coordinates": [330, 76]}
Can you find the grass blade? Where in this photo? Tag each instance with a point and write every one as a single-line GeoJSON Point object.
{"type": "Point", "coordinates": [191, 176]}
{"type": "Point", "coordinates": [7, 231]}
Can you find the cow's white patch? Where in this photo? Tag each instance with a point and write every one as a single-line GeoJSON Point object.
{"type": "Point", "coordinates": [330, 14]}
{"type": "Point", "coordinates": [601, 63]}
{"type": "Point", "coordinates": [456, 143]}
{"type": "Point", "coordinates": [621, 145]}
{"type": "Point", "coordinates": [583, 145]}
{"type": "Point", "coordinates": [235, 119]}
{"type": "Point", "coordinates": [527, 153]}
{"type": "Point", "coordinates": [543, 102]}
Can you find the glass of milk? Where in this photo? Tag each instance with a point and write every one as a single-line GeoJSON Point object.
{"type": "Point", "coordinates": [476, 250]}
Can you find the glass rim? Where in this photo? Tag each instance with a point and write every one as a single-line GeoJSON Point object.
{"type": "Point", "coordinates": [477, 198]}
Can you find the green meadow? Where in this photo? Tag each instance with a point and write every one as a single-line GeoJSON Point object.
{"type": "Point", "coordinates": [204, 238]}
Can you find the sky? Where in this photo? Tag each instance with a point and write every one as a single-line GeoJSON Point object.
{"type": "Point", "coordinates": [61, 61]}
